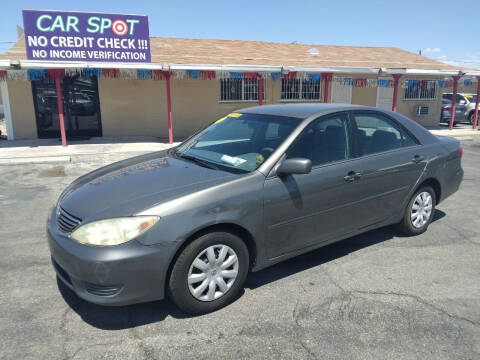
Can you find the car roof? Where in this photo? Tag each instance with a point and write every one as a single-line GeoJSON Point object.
{"type": "Point", "coordinates": [459, 93]}
{"type": "Point", "coordinates": [314, 110]}
{"type": "Point", "coordinates": [302, 110]}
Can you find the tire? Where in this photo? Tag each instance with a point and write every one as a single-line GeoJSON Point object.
{"type": "Point", "coordinates": [182, 293]}
{"type": "Point", "coordinates": [410, 227]}
{"type": "Point", "coordinates": [471, 116]}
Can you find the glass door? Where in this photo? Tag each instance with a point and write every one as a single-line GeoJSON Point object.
{"type": "Point", "coordinates": [81, 107]}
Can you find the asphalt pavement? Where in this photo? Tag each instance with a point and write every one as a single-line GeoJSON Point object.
{"type": "Point", "coordinates": [375, 296]}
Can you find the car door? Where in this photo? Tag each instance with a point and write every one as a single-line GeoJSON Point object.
{"type": "Point", "coordinates": [460, 107]}
{"type": "Point", "coordinates": [390, 161]}
{"type": "Point", "coordinates": [303, 210]}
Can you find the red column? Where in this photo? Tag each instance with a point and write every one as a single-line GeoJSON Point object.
{"type": "Point", "coordinates": [327, 77]}
{"type": "Point", "coordinates": [169, 109]}
{"type": "Point", "coordinates": [60, 111]}
{"type": "Point", "coordinates": [454, 100]}
{"type": "Point", "coordinates": [475, 116]}
{"type": "Point", "coordinates": [396, 78]}
{"type": "Point", "coordinates": [260, 89]}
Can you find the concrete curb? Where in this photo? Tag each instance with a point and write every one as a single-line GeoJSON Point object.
{"type": "Point", "coordinates": [35, 160]}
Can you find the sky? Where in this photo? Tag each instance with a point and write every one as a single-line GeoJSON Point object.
{"type": "Point", "coordinates": [433, 27]}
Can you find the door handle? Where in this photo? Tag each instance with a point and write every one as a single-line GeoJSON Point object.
{"type": "Point", "coordinates": [352, 176]}
{"type": "Point", "coordinates": [418, 158]}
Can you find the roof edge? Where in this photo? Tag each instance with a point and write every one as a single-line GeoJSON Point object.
{"type": "Point", "coordinates": [35, 64]}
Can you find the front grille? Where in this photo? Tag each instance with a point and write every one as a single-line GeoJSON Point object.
{"type": "Point", "coordinates": [67, 222]}
{"type": "Point", "coordinates": [102, 290]}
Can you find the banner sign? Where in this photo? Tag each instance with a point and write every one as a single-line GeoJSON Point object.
{"type": "Point", "coordinates": [76, 36]}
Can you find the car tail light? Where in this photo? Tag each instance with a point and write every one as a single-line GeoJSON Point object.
{"type": "Point", "coordinates": [460, 152]}
{"type": "Point", "coordinates": [444, 108]}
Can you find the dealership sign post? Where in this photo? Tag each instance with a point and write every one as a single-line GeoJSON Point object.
{"type": "Point", "coordinates": [94, 37]}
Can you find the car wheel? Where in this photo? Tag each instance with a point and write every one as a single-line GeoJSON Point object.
{"type": "Point", "coordinates": [470, 117]}
{"type": "Point", "coordinates": [209, 273]}
{"type": "Point", "coordinates": [419, 212]}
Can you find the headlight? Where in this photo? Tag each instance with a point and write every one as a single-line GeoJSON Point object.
{"type": "Point", "coordinates": [113, 231]}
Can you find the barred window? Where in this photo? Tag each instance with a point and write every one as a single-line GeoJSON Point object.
{"type": "Point", "coordinates": [423, 89]}
{"type": "Point", "coordinates": [240, 90]}
{"type": "Point", "coordinates": [296, 89]}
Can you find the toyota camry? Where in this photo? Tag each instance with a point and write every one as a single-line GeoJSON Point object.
{"type": "Point", "coordinates": [256, 187]}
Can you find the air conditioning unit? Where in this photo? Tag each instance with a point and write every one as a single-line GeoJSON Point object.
{"type": "Point", "coordinates": [422, 110]}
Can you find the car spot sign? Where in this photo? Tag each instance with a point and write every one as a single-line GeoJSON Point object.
{"type": "Point", "coordinates": [94, 37]}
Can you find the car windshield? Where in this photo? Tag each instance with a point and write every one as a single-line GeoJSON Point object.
{"type": "Point", "coordinates": [238, 142]}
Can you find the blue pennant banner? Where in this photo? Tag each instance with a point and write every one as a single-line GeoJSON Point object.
{"type": "Point", "coordinates": [91, 72]}
{"type": "Point", "coordinates": [193, 74]}
{"type": "Point", "coordinates": [143, 74]}
{"type": "Point", "coordinates": [34, 75]}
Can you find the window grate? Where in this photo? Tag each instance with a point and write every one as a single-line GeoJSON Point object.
{"type": "Point", "coordinates": [296, 89]}
{"type": "Point", "coordinates": [290, 89]}
{"type": "Point", "coordinates": [426, 90]}
{"type": "Point", "coordinates": [240, 89]}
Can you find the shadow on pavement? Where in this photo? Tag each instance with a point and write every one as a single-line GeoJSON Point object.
{"type": "Point", "coordinates": [326, 254]}
{"type": "Point", "coordinates": [118, 317]}
{"type": "Point", "coordinates": [130, 316]}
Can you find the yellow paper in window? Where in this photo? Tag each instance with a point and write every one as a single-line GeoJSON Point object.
{"type": "Point", "coordinates": [234, 115]}
{"type": "Point", "coordinates": [220, 120]}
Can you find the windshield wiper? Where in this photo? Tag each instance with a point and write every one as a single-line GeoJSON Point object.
{"type": "Point", "coordinates": [196, 160]}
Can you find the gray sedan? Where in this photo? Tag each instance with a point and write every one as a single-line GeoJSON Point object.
{"type": "Point", "coordinates": [256, 187]}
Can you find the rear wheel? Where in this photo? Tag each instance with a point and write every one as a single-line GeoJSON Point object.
{"type": "Point", "coordinates": [419, 212]}
{"type": "Point", "coordinates": [209, 273]}
{"type": "Point", "coordinates": [471, 116]}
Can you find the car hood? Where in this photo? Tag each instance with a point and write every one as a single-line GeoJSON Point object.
{"type": "Point", "coordinates": [132, 185]}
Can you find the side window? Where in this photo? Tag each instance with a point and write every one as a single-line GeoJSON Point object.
{"type": "Point", "coordinates": [447, 97]}
{"type": "Point", "coordinates": [377, 133]}
{"type": "Point", "coordinates": [324, 141]}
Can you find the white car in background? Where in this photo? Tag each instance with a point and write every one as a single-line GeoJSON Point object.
{"type": "Point", "coordinates": [464, 107]}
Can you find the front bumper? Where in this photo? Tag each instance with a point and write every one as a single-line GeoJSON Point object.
{"type": "Point", "coordinates": [114, 275]}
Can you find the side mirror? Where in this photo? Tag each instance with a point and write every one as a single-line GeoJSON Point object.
{"type": "Point", "coordinates": [294, 166]}
{"type": "Point", "coordinates": [462, 102]}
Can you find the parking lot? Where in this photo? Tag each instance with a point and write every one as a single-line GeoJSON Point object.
{"type": "Point", "coordinates": [377, 295]}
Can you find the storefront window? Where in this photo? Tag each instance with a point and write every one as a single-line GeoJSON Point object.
{"type": "Point", "coordinates": [81, 107]}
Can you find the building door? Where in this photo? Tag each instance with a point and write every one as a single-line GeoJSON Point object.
{"type": "Point", "coordinates": [81, 107]}
{"type": "Point", "coordinates": [384, 96]}
{"type": "Point", "coordinates": [341, 94]}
